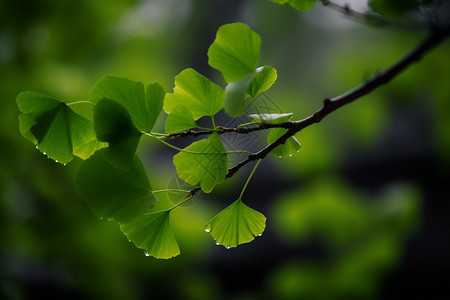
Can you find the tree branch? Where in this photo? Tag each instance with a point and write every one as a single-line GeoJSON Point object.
{"type": "Point", "coordinates": [332, 104]}
{"type": "Point", "coordinates": [371, 18]}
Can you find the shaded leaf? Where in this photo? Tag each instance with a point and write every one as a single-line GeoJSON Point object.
{"type": "Point", "coordinates": [264, 79]}
{"type": "Point", "coordinates": [113, 124]}
{"type": "Point", "coordinates": [179, 119]}
{"type": "Point", "coordinates": [289, 148]}
{"type": "Point", "coordinates": [197, 93]}
{"type": "Point", "coordinates": [208, 168]}
{"type": "Point", "coordinates": [235, 95]}
{"type": "Point", "coordinates": [144, 108]}
{"type": "Point", "coordinates": [114, 193]}
{"type": "Point", "coordinates": [237, 224]}
{"type": "Point", "coordinates": [59, 132]}
{"type": "Point", "coordinates": [300, 5]}
{"type": "Point", "coordinates": [153, 233]}
{"type": "Point", "coordinates": [270, 117]}
{"type": "Point", "coordinates": [235, 51]}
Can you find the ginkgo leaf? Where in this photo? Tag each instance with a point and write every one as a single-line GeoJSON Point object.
{"type": "Point", "coordinates": [235, 51]}
{"type": "Point", "coordinates": [300, 5]}
{"type": "Point", "coordinates": [114, 193]}
{"type": "Point", "coordinates": [264, 79]}
{"type": "Point", "coordinates": [270, 117]}
{"type": "Point", "coordinates": [179, 119]}
{"type": "Point", "coordinates": [197, 93]}
{"type": "Point", "coordinates": [112, 124]}
{"type": "Point", "coordinates": [235, 95]}
{"type": "Point", "coordinates": [59, 132]}
{"type": "Point", "coordinates": [289, 148]}
{"type": "Point", "coordinates": [237, 224]}
{"type": "Point", "coordinates": [143, 107]}
{"type": "Point", "coordinates": [153, 233]}
{"type": "Point", "coordinates": [203, 162]}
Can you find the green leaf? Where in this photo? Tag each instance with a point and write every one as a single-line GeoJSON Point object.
{"type": "Point", "coordinates": [237, 224]}
{"type": "Point", "coordinates": [289, 148]}
{"type": "Point", "coordinates": [197, 93]}
{"type": "Point", "coordinates": [179, 119]}
{"type": "Point", "coordinates": [207, 165]}
{"type": "Point", "coordinates": [235, 51]}
{"type": "Point", "coordinates": [300, 5]}
{"type": "Point", "coordinates": [267, 118]}
{"type": "Point", "coordinates": [144, 108]}
{"type": "Point", "coordinates": [112, 124]}
{"type": "Point", "coordinates": [59, 132]}
{"type": "Point", "coordinates": [253, 84]}
{"type": "Point", "coordinates": [114, 193]}
{"type": "Point", "coordinates": [264, 79]}
{"type": "Point", "coordinates": [153, 233]}
{"type": "Point", "coordinates": [235, 95]}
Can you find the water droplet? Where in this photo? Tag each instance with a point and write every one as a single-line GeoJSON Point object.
{"type": "Point", "coordinates": [260, 234]}
{"type": "Point", "coordinates": [290, 155]}
{"type": "Point", "coordinates": [146, 253]}
{"type": "Point", "coordinates": [44, 153]}
{"type": "Point", "coordinates": [279, 156]}
{"type": "Point", "coordinates": [56, 160]}
{"type": "Point", "coordinates": [217, 243]}
{"type": "Point", "coordinates": [37, 147]}
{"type": "Point", "coordinates": [64, 164]}
{"type": "Point", "coordinates": [207, 228]}
{"type": "Point", "coordinates": [228, 247]}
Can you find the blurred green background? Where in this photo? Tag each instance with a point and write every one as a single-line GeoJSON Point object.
{"type": "Point", "coordinates": [360, 213]}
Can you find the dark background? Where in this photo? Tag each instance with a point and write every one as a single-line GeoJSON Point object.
{"type": "Point", "coordinates": [359, 213]}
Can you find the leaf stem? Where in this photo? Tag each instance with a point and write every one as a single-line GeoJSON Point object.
{"type": "Point", "coordinates": [80, 102]}
{"type": "Point", "coordinates": [192, 152]}
{"type": "Point", "coordinates": [213, 123]}
{"type": "Point", "coordinates": [248, 179]}
{"type": "Point", "coordinates": [170, 190]}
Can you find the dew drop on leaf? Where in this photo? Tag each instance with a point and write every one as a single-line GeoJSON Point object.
{"type": "Point", "coordinates": [228, 247]}
{"type": "Point", "coordinates": [260, 234]}
{"type": "Point", "coordinates": [207, 228]}
{"type": "Point", "coordinates": [217, 243]}
{"type": "Point", "coordinates": [146, 253]}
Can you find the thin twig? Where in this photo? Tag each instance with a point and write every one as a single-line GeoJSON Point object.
{"type": "Point", "coordinates": [332, 104]}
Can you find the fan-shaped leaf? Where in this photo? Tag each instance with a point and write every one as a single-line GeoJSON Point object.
{"type": "Point", "coordinates": [113, 124]}
{"type": "Point", "coordinates": [144, 108]}
{"type": "Point", "coordinates": [270, 117]}
{"type": "Point", "coordinates": [264, 79]}
{"type": "Point", "coordinates": [289, 148]}
{"type": "Point", "coordinates": [59, 132]}
{"type": "Point", "coordinates": [235, 51]}
{"type": "Point", "coordinates": [204, 163]}
{"type": "Point", "coordinates": [235, 95]}
{"type": "Point", "coordinates": [153, 233]}
{"type": "Point", "coordinates": [179, 119]}
{"type": "Point", "coordinates": [197, 93]}
{"type": "Point", "coordinates": [114, 193]}
{"type": "Point", "coordinates": [237, 224]}
{"type": "Point", "coordinates": [300, 5]}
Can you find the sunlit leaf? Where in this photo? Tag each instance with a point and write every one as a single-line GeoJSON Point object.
{"type": "Point", "coordinates": [235, 51]}
{"type": "Point", "coordinates": [153, 233]}
{"type": "Point", "coordinates": [144, 108]}
{"type": "Point", "coordinates": [264, 79]}
{"type": "Point", "coordinates": [237, 224]}
{"type": "Point", "coordinates": [58, 131]}
{"type": "Point", "coordinates": [270, 117]}
{"type": "Point", "coordinates": [197, 93]}
{"type": "Point", "coordinates": [179, 119]}
{"type": "Point", "coordinates": [300, 5]}
{"type": "Point", "coordinates": [113, 124]}
{"type": "Point", "coordinates": [205, 163]}
{"type": "Point", "coordinates": [289, 148]}
{"type": "Point", "coordinates": [114, 193]}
